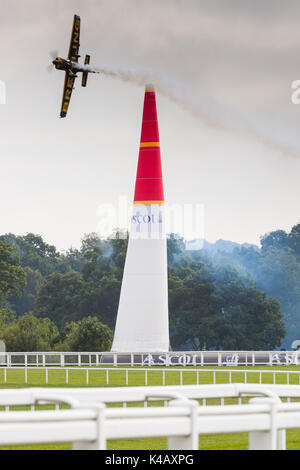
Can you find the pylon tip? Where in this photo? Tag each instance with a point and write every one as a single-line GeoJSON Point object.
{"type": "Point", "coordinates": [149, 88]}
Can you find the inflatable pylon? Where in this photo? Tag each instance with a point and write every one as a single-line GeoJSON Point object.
{"type": "Point", "coordinates": [143, 320]}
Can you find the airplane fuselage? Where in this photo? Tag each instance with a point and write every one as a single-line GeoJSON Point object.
{"type": "Point", "coordinates": [69, 65]}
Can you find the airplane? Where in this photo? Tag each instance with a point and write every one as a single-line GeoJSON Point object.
{"type": "Point", "coordinates": [71, 67]}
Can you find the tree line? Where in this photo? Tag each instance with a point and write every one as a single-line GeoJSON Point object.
{"type": "Point", "coordinates": [68, 301]}
{"type": "Point", "coordinates": [275, 268]}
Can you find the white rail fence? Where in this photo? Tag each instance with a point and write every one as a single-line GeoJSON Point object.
{"type": "Point", "coordinates": [180, 358]}
{"type": "Point", "coordinates": [116, 395]}
{"type": "Point", "coordinates": [89, 424]}
{"type": "Point", "coordinates": [145, 376]}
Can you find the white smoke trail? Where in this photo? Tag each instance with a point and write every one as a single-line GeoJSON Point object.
{"type": "Point", "coordinates": [203, 107]}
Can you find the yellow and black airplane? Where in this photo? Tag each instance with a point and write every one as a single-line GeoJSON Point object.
{"type": "Point", "coordinates": [71, 67]}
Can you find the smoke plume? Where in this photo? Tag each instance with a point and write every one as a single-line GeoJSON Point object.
{"type": "Point", "coordinates": [202, 106]}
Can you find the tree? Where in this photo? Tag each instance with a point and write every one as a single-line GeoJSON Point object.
{"type": "Point", "coordinates": [213, 299]}
{"type": "Point", "coordinates": [88, 334]}
{"type": "Point", "coordinates": [276, 239]}
{"type": "Point", "coordinates": [275, 269]}
{"type": "Point", "coordinates": [60, 298]}
{"type": "Point", "coordinates": [73, 258]}
{"type": "Point", "coordinates": [41, 248]}
{"type": "Point", "coordinates": [31, 251]}
{"type": "Point", "coordinates": [101, 299]}
{"type": "Point", "coordinates": [7, 317]}
{"type": "Point", "coordinates": [294, 239]}
{"type": "Point", "coordinates": [216, 308]}
{"type": "Point", "coordinates": [12, 277]}
{"type": "Point", "coordinates": [175, 247]}
{"type": "Point", "coordinates": [25, 303]}
{"type": "Point", "coordinates": [30, 334]}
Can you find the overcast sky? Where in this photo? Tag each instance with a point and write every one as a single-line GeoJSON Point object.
{"type": "Point", "coordinates": [230, 62]}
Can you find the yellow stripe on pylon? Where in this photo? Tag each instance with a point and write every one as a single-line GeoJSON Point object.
{"type": "Point", "coordinates": [150, 144]}
{"type": "Point", "coordinates": [148, 203]}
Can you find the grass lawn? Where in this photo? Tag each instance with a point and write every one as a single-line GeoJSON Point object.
{"type": "Point", "coordinates": [97, 378]}
{"type": "Point", "coordinates": [206, 442]}
{"type": "Point", "coordinates": [77, 376]}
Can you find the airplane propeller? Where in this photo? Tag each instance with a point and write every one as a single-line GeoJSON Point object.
{"type": "Point", "coordinates": [53, 55]}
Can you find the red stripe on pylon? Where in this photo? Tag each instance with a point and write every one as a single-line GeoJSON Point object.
{"type": "Point", "coordinates": [149, 183]}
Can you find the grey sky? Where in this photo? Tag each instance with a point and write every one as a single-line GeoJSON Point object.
{"type": "Point", "coordinates": [236, 59]}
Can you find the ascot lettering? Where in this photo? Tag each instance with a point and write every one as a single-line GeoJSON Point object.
{"type": "Point", "coordinates": [146, 219]}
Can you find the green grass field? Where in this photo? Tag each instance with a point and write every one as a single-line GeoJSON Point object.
{"type": "Point", "coordinates": [97, 378]}
{"type": "Point", "coordinates": [136, 377]}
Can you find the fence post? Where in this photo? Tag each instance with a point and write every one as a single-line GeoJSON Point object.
{"type": "Point", "coordinates": [87, 376]}
{"type": "Point", "coordinates": [167, 359]}
{"type": "Point", "coordinates": [219, 359]}
{"type": "Point", "coordinates": [270, 359]}
{"type": "Point", "coordinates": [189, 442]}
{"type": "Point", "coordinates": [262, 440]}
{"type": "Point", "coordinates": [100, 442]}
{"type": "Point", "coordinates": [271, 439]}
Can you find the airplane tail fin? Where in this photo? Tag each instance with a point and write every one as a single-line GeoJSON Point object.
{"type": "Point", "coordinates": [85, 74]}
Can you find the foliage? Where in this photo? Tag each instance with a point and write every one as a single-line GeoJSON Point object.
{"type": "Point", "coordinates": [88, 334]}
{"type": "Point", "coordinates": [32, 251]}
{"type": "Point", "coordinates": [29, 333]}
{"type": "Point", "coordinates": [220, 310]}
{"type": "Point", "coordinates": [275, 269]}
{"type": "Point", "coordinates": [12, 277]}
{"type": "Point", "coordinates": [60, 297]}
{"type": "Point", "coordinates": [215, 301]}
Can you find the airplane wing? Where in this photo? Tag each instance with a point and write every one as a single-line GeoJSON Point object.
{"type": "Point", "coordinates": [68, 88]}
{"type": "Point", "coordinates": [75, 40]}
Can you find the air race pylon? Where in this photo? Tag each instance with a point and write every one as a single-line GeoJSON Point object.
{"type": "Point", "coordinates": [143, 321]}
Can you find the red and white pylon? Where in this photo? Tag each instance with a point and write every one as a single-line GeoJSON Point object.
{"type": "Point", "coordinates": [143, 321]}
